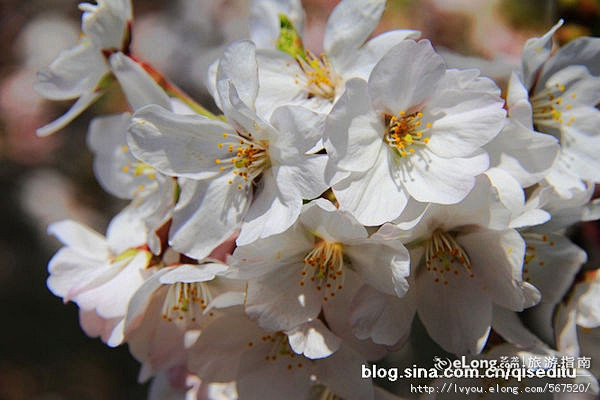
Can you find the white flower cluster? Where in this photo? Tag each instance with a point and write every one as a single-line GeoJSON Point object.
{"type": "Point", "coordinates": [270, 251]}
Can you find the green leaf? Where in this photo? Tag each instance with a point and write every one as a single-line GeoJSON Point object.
{"type": "Point", "coordinates": [289, 40]}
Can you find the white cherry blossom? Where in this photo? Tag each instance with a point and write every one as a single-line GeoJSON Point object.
{"type": "Point", "coordinates": [265, 366]}
{"type": "Point", "coordinates": [414, 131]}
{"type": "Point", "coordinates": [246, 172]}
{"type": "Point", "coordinates": [83, 72]}
{"type": "Point", "coordinates": [99, 280]}
{"type": "Point", "coordinates": [464, 259]}
{"type": "Point", "coordinates": [294, 274]}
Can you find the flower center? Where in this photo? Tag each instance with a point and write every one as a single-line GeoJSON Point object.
{"type": "Point", "coordinates": [279, 350]}
{"type": "Point", "coordinates": [443, 257]}
{"type": "Point", "coordinates": [247, 159]}
{"type": "Point", "coordinates": [405, 132]}
{"type": "Point", "coordinates": [324, 265]}
{"type": "Point", "coordinates": [321, 79]}
{"type": "Point", "coordinates": [548, 106]}
{"type": "Point", "coordinates": [186, 301]}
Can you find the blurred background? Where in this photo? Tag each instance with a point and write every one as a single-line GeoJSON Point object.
{"type": "Point", "coordinates": [43, 352]}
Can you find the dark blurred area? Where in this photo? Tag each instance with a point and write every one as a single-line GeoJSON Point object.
{"type": "Point", "coordinates": [44, 354]}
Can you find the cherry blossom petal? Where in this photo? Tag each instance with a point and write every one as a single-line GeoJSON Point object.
{"type": "Point", "coordinates": [405, 77]}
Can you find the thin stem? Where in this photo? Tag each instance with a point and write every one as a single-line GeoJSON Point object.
{"type": "Point", "coordinates": [173, 91]}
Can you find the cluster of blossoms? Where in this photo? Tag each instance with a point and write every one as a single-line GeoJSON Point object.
{"type": "Point", "coordinates": [270, 251]}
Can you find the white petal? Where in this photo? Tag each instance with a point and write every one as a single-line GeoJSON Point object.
{"type": "Point", "coordinates": [313, 340]}
{"type": "Point", "coordinates": [260, 380]}
{"type": "Point", "coordinates": [508, 325]}
{"type": "Point", "coordinates": [139, 88]}
{"type": "Point", "coordinates": [75, 72]}
{"type": "Point", "coordinates": [106, 23]}
{"type": "Point", "coordinates": [265, 255]}
{"type": "Point", "coordinates": [141, 299]}
{"type": "Point", "coordinates": [535, 52]}
{"type": "Point", "coordinates": [193, 273]}
{"type": "Point", "coordinates": [372, 197]}
{"type": "Point", "coordinates": [337, 315]}
{"type": "Point", "coordinates": [382, 264]}
{"type": "Point", "coordinates": [405, 77]}
{"type": "Point", "coordinates": [274, 209]}
{"type": "Point", "coordinates": [69, 269]}
{"type": "Point", "coordinates": [517, 102]}
{"type": "Point", "coordinates": [523, 153]}
{"type": "Point", "coordinates": [497, 259]}
{"type": "Point", "coordinates": [238, 64]}
{"type": "Point", "coordinates": [372, 51]}
{"type": "Point", "coordinates": [322, 218]}
{"type": "Point", "coordinates": [227, 299]}
{"type": "Point", "coordinates": [77, 108]}
{"type": "Point", "coordinates": [583, 50]}
{"type": "Point", "coordinates": [353, 132]}
{"type": "Point", "coordinates": [206, 215]}
{"type": "Point", "coordinates": [551, 263]}
{"type": "Point", "coordinates": [348, 27]}
{"type": "Point", "coordinates": [563, 180]}
{"type": "Point", "coordinates": [126, 230]}
{"type": "Point", "coordinates": [298, 131]}
{"type": "Point", "coordinates": [333, 372]}
{"type": "Point", "coordinates": [307, 176]}
{"type": "Point", "coordinates": [482, 207]}
{"type": "Point", "coordinates": [109, 330]}
{"type": "Point", "coordinates": [278, 81]}
{"type": "Point", "coordinates": [278, 302]}
{"type": "Point", "coordinates": [588, 310]}
{"type": "Point", "coordinates": [384, 319]}
{"type": "Point", "coordinates": [470, 120]}
{"type": "Point", "coordinates": [430, 178]}
{"type": "Point", "coordinates": [180, 145]}
{"type": "Point", "coordinates": [412, 214]}
{"type": "Point", "coordinates": [457, 315]}
{"type": "Point", "coordinates": [240, 115]}
{"type": "Point", "coordinates": [80, 238]}
{"type": "Point", "coordinates": [581, 143]}
{"type": "Point", "coordinates": [107, 138]}
{"type": "Point", "coordinates": [112, 298]}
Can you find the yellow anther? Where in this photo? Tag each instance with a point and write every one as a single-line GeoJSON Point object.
{"type": "Point", "coordinates": [402, 112]}
{"type": "Point", "coordinates": [428, 125]}
{"type": "Point", "coordinates": [222, 168]}
{"type": "Point", "coordinates": [224, 134]}
{"type": "Point", "coordinates": [419, 115]}
{"type": "Point", "coordinates": [426, 140]}
{"type": "Point", "coordinates": [217, 161]}
{"type": "Point", "coordinates": [230, 181]}
{"type": "Point", "coordinates": [239, 187]}
{"type": "Point", "coordinates": [220, 145]}
{"type": "Point", "coordinates": [125, 168]}
{"type": "Point", "coordinates": [573, 95]}
{"type": "Point", "coordinates": [412, 151]}
{"type": "Point", "coordinates": [125, 148]}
